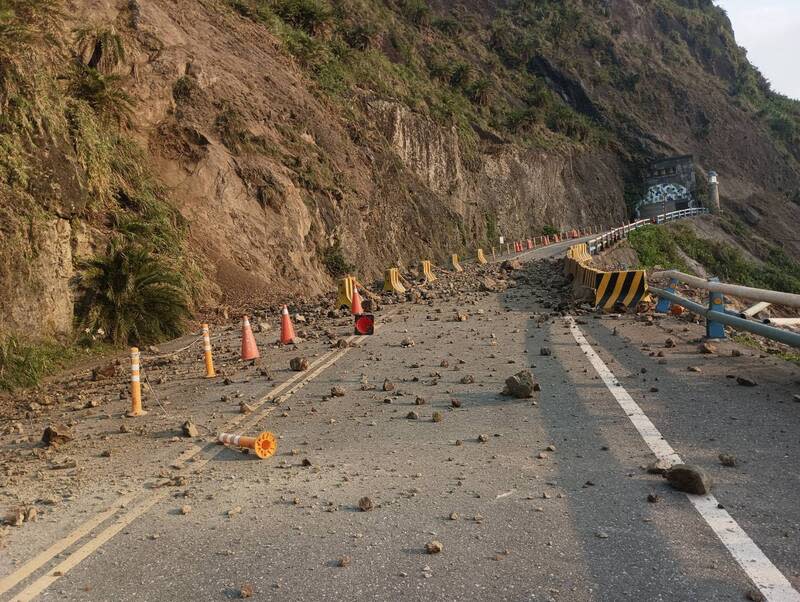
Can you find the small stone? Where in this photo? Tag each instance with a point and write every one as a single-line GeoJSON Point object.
{"type": "Point", "coordinates": [467, 379]}
{"type": "Point", "coordinates": [659, 467]}
{"type": "Point", "coordinates": [707, 348]}
{"type": "Point", "coordinates": [186, 509]}
{"type": "Point", "coordinates": [669, 343]}
{"type": "Point", "coordinates": [234, 511]}
{"type": "Point", "coordinates": [727, 460]}
{"type": "Point", "coordinates": [550, 448]}
{"type": "Point", "coordinates": [689, 478]}
{"type": "Point", "coordinates": [736, 353]}
{"type": "Point", "coordinates": [653, 498]}
{"type": "Point", "coordinates": [420, 401]}
{"type": "Point", "coordinates": [412, 416]}
{"type": "Point", "coordinates": [437, 417]}
{"type": "Point", "coordinates": [454, 516]}
{"type": "Point", "coordinates": [343, 562]}
{"type": "Point", "coordinates": [754, 595]}
{"type": "Point", "coordinates": [388, 385]}
{"type": "Point", "coordinates": [190, 430]}
{"type": "Point", "coordinates": [545, 351]}
{"type": "Point", "coordinates": [246, 591]}
{"type": "Point", "coordinates": [601, 535]}
{"type": "Point", "coordinates": [407, 342]}
{"type": "Point", "coordinates": [338, 392]}
{"type": "Point", "coordinates": [298, 364]}
{"type": "Point", "coordinates": [306, 462]}
{"type": "Point", "coordinates": [365, 504]}
{"type": "Point", "coordinates": [694, 369]}
{"type": "Point", "coordinates": [746, 382]}
{"type": "Point", "coordinates": [459, 442]}
{"type": "Point", "coordinates": [244, 408]}
{"type": "Point", "coordinates": [456, 403]}
{"type": "Point", "coordinates": [483, 438]}
{"type": "Point", "coordinates": [433, 547]}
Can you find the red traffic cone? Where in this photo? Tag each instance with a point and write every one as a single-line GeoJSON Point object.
{"type": "Point", "coordinates": [287, 330]}
{"type": "Point", "coordinates": [355, 306]}
{"type": "Point", "coordinates": [249, 347]}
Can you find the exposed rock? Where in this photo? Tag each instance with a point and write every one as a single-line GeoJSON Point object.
{"type": "Point", "coordinates": [520, 386]}
{"type": "Point", "coordinates": [746, 382]}
{"type": "Point", "coordinates": [689, 478]}
{"type": "Point", "coordinates": [338, 392]}
{"type": "Point", "coordinates": [343, 562]}
{"type": "Point", "coordinates": [467, 379]}
{"type": "Point", "coordinates": [412, 416]}
{"type": "Point", "coordinates": [509, 265]}
{"type": "Point", "coordinates": [365, 504]}
{"type": "Point", "coordinates": [707, 348]}
{"type": "Point", "coordinates": [437, 417]}
{"type": "Point", "coordinates": [420, 401]}
{"type": "Point", "coordinates": [388, 385]}
{"type": "Point", "coordinates": [189, 429]}
{"type": "Point", "coordinates": [669, 343]}
{"type": "Point", "coordinates": [433, 547]}
{"type": "Point", "coordinates": [483, 438]}
{"type": "Point", "coordinates": [108, 371]}
{"type": "Point", "coordinates": [727, 460]}
{"type": "Point", "coordinates": [653, 498]}
{"type": "Point", "coordinates": [456, 403]}
{"type": "Point", "coordinates": [246, 591]}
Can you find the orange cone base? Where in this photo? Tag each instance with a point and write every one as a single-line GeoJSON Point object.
{"type": "Point", "coordinates": [132, 414]}
{"type": "Point", "coordinates": [265, 445]}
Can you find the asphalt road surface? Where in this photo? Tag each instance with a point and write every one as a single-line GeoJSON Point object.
{"type": "Point", "coordinates": [537, 499]}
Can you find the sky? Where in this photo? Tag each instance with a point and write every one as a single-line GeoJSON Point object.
{"type": "Point", "coordinates": [770, 31]}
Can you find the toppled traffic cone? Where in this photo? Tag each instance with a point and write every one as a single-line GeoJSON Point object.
{"type": "Point", "coordinates": [355, 307]}
{"type": "Point", "coordinates": [287, 330]}
{"type": "Point", "coordinates": [263, 445]}
{"type": "Point", "coordinates": [249, 347]}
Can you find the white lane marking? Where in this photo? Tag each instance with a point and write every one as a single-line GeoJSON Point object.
{"type": "Point", "coordinates": [765, 575]}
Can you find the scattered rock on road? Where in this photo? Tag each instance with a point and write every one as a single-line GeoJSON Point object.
{"type": "Point", "coordinates": [365, 504]}
{"type": "Point", "coordinates": [689, 478]}
{"type": "Point", "coordinates": [433, 547]}
{"type": "Point", "coordinates": [56, 434]}
{"type": "Point", "coordinates": [343, 562]}
{"type": "Point", "coordinates": [412, 416]}
{"type": "Point", "coordinates": [246, 591]}
{"type": "Point", "coordinates": [456, 403]}
{"type": "Point", "coordinates": [653, 498]}
{"type": "Point", "coordinates": [467, 379]}
{"type": "Point", "coordinates": [707, 348]}
{"type": "Point", "coordinates": [483, 438]}
{"type": "Point", "coordinates": [338, 392]}
{"type": "Point", "coordinates": [298, 364]}
{"type": "Point", "coordinates": [728, 460]}
{"type": "Point", "coordinates": [437, 417]}
{"type": "Point", "coordinates": [746, 382]}
{"type": "Point", "coordinates": [388, 385]}
{"type": "Point", "coordinates": [545, 351]}
{"type": "Point", "coordinates": [659, 466]}
{"type": "Point", "coordinates": [520, 386]}
{"type": "Point", "coordinates": [190, 430]}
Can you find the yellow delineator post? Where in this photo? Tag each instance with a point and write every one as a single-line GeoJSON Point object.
{"type": "Point", "coordinates": [136, 385]}
{"type": "Point", "coordinates": [209, 360]}
{"type": "Point", "coordinates": [481, 257]}
{"type": "Point", "coordinates": [345, 292]}
{"type": "Point", "coordinates": [456, 264]}
{"type": "Point", "coordinates": [427, 271]}
{"type": "Point", "coordinates": [391, 281]}
{"type": "Point", "coordinates": [494, 255]}
{"type": "Point", "coordinates": [263, 445]}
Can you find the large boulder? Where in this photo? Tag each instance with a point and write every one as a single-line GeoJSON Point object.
{"type": "Point", "coordinates": [520, 386]}
{"type": "Point", "coordinates": [689, 478]}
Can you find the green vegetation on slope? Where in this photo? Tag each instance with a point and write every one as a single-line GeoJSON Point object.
{"type": "Point", "coordinates": [77, 105]}
{"type": "Point", "coordinates": [659, 246]}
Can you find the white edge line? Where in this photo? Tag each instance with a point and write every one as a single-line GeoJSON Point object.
{"type": "Point", "coordinates": [767, 578]}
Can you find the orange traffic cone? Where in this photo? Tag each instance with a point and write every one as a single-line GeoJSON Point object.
{"type": "Point", "coordinates": [355, 307]}
{"type": "Point", "coordinates": [249, 347]}
{"type": "Point", "coordinates": [287, 330]}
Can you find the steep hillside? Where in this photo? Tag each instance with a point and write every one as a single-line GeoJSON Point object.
{"type": "Point", "coordinates": [258, 148]}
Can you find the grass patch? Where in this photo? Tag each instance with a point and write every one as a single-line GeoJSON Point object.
{"type": "Point", "coordinates": [752, 342]}
{"type": "Point", "coordinates": [658, 246]}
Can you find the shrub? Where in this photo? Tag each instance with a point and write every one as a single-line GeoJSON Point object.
{"type": "Point", "coordinates": [309, 15]}
{"type": "Point", "coordinates": [335, 261]}
{"type": "Point", "coordinates": [131, 295]}
{"type": "Point", "coordinates": [103, 93]}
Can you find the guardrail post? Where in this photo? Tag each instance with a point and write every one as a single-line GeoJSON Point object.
{"type": "Point", "coordinates": [664, 304]}
{"type": "Point", "coordinates": [716, 302]}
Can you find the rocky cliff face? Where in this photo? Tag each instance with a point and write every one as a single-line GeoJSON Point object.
{"type": "Point", "coordinates": [283, 131]}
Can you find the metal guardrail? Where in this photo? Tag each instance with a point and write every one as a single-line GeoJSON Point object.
{"type": "Point", "coordinates": [717, 317]}
{"type": "Point", "coordinates": [605, 240]}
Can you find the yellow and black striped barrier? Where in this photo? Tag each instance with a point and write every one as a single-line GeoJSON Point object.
{"type": "Point", "coordinates": [626, 288]}
{"type": "Point", "coordinates": [427, 271]}
{"type": "Point", "coordinates": [391, 282]}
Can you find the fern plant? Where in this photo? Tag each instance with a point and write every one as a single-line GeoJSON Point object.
{"type": "Point", "coordinates": [103, 93]}
{"type": "Point", "coordinates": [131, 295]}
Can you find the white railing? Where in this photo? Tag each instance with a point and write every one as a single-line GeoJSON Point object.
{"type": "Point", "coordinates": [608, 238]}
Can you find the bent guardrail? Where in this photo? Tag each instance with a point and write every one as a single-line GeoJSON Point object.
{"type": "Point", "coordinates": [717, 317]}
